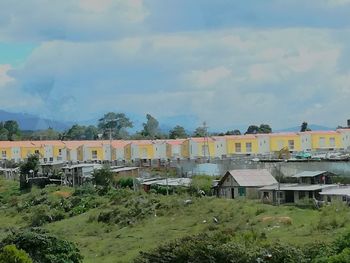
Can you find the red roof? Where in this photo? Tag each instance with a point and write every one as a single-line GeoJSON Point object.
{"type": "Point", "coordinates": [175, 142]}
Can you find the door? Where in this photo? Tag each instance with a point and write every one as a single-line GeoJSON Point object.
{"type": "Point", "coordinates": [289, 197]}
{"type": "Point", "coordinates": [233, 193]}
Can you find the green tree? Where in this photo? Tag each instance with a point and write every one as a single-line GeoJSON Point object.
{"type": "Point", "coordinates": [91, 132]}
{"type": "Point", "coordinates": [4, 134]}
{"type": "Point", "coordinates": [115, 122]}
{"type": "Point", "coordinates": [151, 127]}
{"type": "Point", "coordinates": [103, 179]}
{"type": "Point", "coordinates": [44, 248]}
{"type": "Point", "coordinates": [200, 132]}
{"type": "Point", "coordinates": [76, 132]}
{"type": "Point", "coordinates": [31, 164]}
{"type": "Point", "coordinates": [265, 128]}
{"type": "Point", "coordinates": [304, 127]}
{"type": "Point", "coordinates": [178, 132]}
{"type": "Point", "coordinates": [13, 129]}
{"type": "Point", "coordinates": [233, 132]}
{"type": "Point", "coordinates": [49, 134]}
{"type": "Point", "coordinates": [11, 254]}
{"type": "Point", "coordinates": [252, 129]}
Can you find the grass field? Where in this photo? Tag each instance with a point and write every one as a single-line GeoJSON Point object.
{"type": "Point", "coordinates": [113, 242]}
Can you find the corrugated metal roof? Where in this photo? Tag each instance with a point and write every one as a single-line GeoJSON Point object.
{"type": "Point", "coordinates": [123, 169]}
{"type": "Point", "coordinates": [343, 190]}
{"type": "Point", "coordinates": [309, 174]}
{"type": "Point", "coordinates": [297, 187]}
{"type": "Point", "coordinates": [170, 182]}
{"type": "Point", "coordinates": [252, 177]}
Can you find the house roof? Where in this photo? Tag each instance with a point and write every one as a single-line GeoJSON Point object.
{"type": "Point", "coordinates": [73, 144]}
{"type": "Point", "coordinates": [175, 142]}
{"type": "Point", "coordinates": [124, 169]}
{"type": "Point", "coordinates": [309, 174]}
{"type": "Point", "coordinates": [201, 139]}
{"type": "Point", "coordinates": [250, 177]}
{"type": "Point", "coordinates": [342, 190]}
{"type": "Point", "coordinates": [240, 137]}
{"type": "Point", "coordinates": [119, 143]}
{"type": "Point", "coordinates": [283, 134]}
{"type": "Point", "coordinates": [297, 187]}
{"type": "Point", "coordinates": [170, 182]}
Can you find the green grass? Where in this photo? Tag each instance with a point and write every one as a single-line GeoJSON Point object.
{"type": "Point", "coordinates": [110, 242]}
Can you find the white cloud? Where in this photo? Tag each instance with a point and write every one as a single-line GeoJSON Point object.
{"type": "Point", "coordinates": [275, 76]}
{"type": "Point", "coordinates": [210, 77]}
{"type": "Point", "coordinates": [4, 77]}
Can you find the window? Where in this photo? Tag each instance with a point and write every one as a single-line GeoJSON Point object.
{"type": "Point", "coordinates": [51, 159]}
{"type": "Point", "coordinates": [238, 147]}
{"type": "Point", "coordinates": [36, 152]}
{"type": "Point", "coordinates": [248, 147]}
{"type": "Point", "coordinates": [302, 195]}
{"type": "Point", "coordinates": [241, 191]}
{"type": "Point", "coordinates": [332, 142]}
{"type": "Point", "coordinates": [94, 154]}
{"type": "Point", "coordinates": [59, 151]}
{"type": "Point", "coordinates": [322, 141]}
{"type": "Point", "coordinates": [3, 154]}
{"type": "Point", "coordinates": [291, 144]}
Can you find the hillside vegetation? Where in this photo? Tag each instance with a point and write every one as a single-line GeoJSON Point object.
{"type": "Point", "coordinates": [118, 225]}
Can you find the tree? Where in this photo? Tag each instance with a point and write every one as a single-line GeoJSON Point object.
{"type": "Point", "coordinates": [304, 127]}
{"type": "Point", "coordinates": [91, 132]}
{"type": "Point", "coordinates": [252, 129]}
{"type": "Point", "coordinates": [265, 128]}
{"type": "Point", "coordinates": [44, 248]}
{"type": "Point", "coordinates": [178, 132]}
{"type": "Point", "coordinates": [11, 254]}
{"type": "Point", "coordinates": [31, 165]}
{"type": "Point", "coordinates": [76, 132]}
{"type": "Point", "coordinates": [200, 132]}
{"type": "Point", "coordinates": [233, 132]}
{"type": "Point", "coordinates": [4, 134]}
{"type": "Point", "coordinates": [151, 127]}
{"type": "Point", "coordinates": [13, 129]}
{"type": "Point", "coordinates": [117, 122]}
{"type": "Point", "coordinates": [49, 134]}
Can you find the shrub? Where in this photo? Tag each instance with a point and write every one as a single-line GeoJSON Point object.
{"type": "Point", "coordinates": [201, 182]}
{"type": "Point", "coordinates": [10, 254]}
{"type": "Point", "coordinates": [44, 248]}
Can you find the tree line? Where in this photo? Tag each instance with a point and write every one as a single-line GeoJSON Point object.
{"type": "Point", "coordinates": [116, 126]}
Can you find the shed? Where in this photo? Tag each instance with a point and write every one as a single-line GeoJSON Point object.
{"type": "Point", "coordinates": [244, 183]}
{"type": "Point", "coordinates": [339, 193]}
{"type": "Point", "coordinates": [314, 177]}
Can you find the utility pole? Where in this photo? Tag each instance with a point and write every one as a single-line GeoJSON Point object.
{"type": "Point", "coordinates": [206, 141]}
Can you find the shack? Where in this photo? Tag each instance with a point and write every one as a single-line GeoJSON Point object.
{"type": "Point", "coordinates": [336, 194]}
{"type": "Point", "coordinates": [119, 172]}
{"type": "Point", "coordinates": [244, 183]}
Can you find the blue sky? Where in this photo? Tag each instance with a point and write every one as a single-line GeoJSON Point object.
{"type": "Point", "coordinates": [231, 63]}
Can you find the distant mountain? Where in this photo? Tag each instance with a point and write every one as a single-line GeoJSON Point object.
{"type": "Point", "coordinates": [33, 122]}
{"type": "Point", "coordinates": [313, 127]}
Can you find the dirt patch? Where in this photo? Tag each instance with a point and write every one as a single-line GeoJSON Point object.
{"type": "Point", "coordinates": [63, 194]}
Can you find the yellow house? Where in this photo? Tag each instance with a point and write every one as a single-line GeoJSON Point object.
{"type": "Point", "coordinates": [174, 148]}
{"type": "Point", "coordinates": [54, 151]}
{"type": "Point", "coordinates": [31, 147]}
{"type": "Point", "coordinates": [241, 144]}
{"type": "Point", "coordinates": [198, 148]}
{"type": "Point", "coordinates": [6, 150]}
{"type": "Point", "coordinates": [91, 151]}
{"type": "Point", "coordinates": [278, 141]}
{"type": "Point", "coordinates": [326, 140]}
{"type": "Point", "coordinates": [72, 150]}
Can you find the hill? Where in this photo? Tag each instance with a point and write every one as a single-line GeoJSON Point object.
{"type": "Point", "coordinates": [32, 122]}
{"type": "Point", "coordinates": [117, 226]}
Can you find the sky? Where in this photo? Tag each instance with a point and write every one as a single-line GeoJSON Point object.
{"type": "Point", "coordinates": [229, 63]}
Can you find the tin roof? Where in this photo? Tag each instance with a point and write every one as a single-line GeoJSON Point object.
{"type": "Point", "coordinates": [340, 190]}
{"type": "Point", "coordinates": [297, 187]}
{"type": "Point", "coordinates": [309, 174]}
{"type": "Point", "coordinates": [251, 177]}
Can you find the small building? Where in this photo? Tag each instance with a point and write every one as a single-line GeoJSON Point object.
{"type": "Point", "coordinates": [165, 182]}
{"type": "Point", "coordinates": [291, 193]}
{"type": "Point", "coordinates": [119, 172]}
{"type": "Point", "coordinates": [244, 183]}
{"type": "Point", "coordinates": [314, 177]}
{"type": "Point", "coordinates": [336, 194]}
{"type": "Point", "coordinates": [77, 174]}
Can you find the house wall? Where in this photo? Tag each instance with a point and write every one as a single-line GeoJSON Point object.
{"type": "Point", "coordinates": [16, 153]}
{"type": "Point", "coordinates": [25, 151]}
{"type": "Point", "coordinates": [231, 145]}
{"type": "Point", "coordinates": [160, 150]}
{"type": "Point", "coordinates": [306, 141]}
{"type": "Point", "coordinates": [279, 142]}
{"type": "Point", "coordinates": [185, 149]}
{"type": "Point", "coordinates": [263, 144]}
{"type": "Point", "coordinates": [345, 138]}
{"type": "Point", "coordinates": [196, 149]}
{"type": "Point", "coordinates": [220, 147]}
{"type": "Point", "coordinates": [315, 138]}
{"type": "Point", "coordinates": [8, 153]}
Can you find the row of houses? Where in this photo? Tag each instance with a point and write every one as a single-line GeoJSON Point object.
{"type": "Point", "coordinates": [191, 148]}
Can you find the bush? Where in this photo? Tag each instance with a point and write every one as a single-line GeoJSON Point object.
{"type": "Point", "coordinates": [44, 248]}
{"type": "Point", "coordinates": [201, 182]}
{"type": "Point", "coordinates": [126, 182]}
{"type": "Point", "coordinates": [10, 254]}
